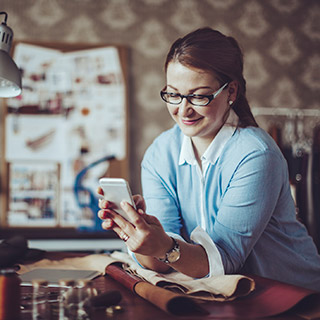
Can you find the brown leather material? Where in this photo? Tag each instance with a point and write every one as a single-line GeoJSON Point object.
{"type": "Point", "coordinates": [270, 298]}
{"type": "Point", "coordinates": [173, 303]}
{"type": "Point", "coordinates": [126, 279]}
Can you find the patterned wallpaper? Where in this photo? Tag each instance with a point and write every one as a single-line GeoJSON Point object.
{"type": "Point", "coordinates": [280, 40]}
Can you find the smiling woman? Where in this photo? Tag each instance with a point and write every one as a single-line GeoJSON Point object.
{"type": "Point", "coordinates": [216, 194]}
{"type": "Point", "coordinates": [201, 122]}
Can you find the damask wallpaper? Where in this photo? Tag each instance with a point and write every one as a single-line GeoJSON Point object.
{"type": "Point", "coordinates": [280, 40]}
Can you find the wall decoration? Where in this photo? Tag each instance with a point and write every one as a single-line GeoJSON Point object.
{"type": "Point", "coordinates": [72, 111]}
{"type": "Point", "coordinates": [33, 194]}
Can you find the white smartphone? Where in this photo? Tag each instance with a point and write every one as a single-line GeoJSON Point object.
{"type": "Point", "coordinates": [117, 190]}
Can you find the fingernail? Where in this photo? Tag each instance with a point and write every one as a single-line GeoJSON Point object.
{"type": "Point", "coordinates": [102, 203]}
{"type": "Point", "coordinates": [123, 204]}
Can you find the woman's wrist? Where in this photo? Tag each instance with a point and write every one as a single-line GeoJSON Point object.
{"type": "Point", "coordinates": [172, 255]}
{"type": "Point", "coordinates": [168, 244]}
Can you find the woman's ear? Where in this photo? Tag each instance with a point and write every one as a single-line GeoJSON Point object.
{"type": "Point", "coordinates": [233, 90]}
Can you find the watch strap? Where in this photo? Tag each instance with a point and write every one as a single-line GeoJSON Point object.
{"type": "Point", "coordinates": [175, 248]}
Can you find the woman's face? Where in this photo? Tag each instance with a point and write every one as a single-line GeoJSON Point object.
{"type": "Point", "coordinates": [199, 123]}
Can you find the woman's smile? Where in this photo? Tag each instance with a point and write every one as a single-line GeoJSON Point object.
{"type": "Point", "coordinates": [189, 122]}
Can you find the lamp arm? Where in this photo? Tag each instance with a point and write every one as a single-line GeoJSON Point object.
{"type": "Point", "coordinates": [6, 17]}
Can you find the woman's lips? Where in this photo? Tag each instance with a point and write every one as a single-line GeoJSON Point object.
{"type": "Point", "coordinates": [189, 122]}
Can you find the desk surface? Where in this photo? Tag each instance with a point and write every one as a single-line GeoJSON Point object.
{"type": "Point", "coordinates": [133, 307]}
{"type": "Point", "coordinates": [136, 308]}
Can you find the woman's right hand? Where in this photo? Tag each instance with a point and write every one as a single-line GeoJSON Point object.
{"type": "Point", "coordinates": [139, 202]}
{"type": "Point", "coordinates": [104, 204]}
{"type": "Point", "coordinates": [142, 233]}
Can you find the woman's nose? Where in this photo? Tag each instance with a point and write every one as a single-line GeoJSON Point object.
{"type": "Point", "coordinates": [185, 108]}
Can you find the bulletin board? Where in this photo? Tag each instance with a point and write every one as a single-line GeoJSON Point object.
{"type": "Point", "coordinates": [68, 128]}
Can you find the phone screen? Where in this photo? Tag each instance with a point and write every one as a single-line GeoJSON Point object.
{"type": "Point", "coordinates": [116, 190]}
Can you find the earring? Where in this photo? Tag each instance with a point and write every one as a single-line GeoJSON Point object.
{"type": "Point", "coordinates": [230, 103]}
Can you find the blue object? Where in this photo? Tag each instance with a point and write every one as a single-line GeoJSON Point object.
{"type": "Point", "coordinates": [92, 204]}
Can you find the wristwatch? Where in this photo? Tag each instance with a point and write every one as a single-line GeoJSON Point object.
{"type": "Point", "coordinates": [173, 255]}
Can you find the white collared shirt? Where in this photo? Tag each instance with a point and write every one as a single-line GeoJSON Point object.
{"type": "Point", "coordinates": [212, 153]}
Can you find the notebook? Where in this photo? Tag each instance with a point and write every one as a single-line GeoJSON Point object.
{"type": "Point", "coordinates": [54, 275]}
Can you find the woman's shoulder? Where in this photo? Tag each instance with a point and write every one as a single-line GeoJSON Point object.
{"type": "Point", "coordinates": [248, 142]}
{"type": "Point", "coordinates": [254, 139]}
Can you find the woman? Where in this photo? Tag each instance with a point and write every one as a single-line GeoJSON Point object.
{"type": "Point", "coordinates": [215, 185]}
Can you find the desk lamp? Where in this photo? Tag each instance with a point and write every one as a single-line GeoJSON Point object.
{"type": "Point", "coordinates": [10, 77]}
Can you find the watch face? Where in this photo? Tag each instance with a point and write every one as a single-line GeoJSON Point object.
{"type": "Point", "coordinates": [174, 256]}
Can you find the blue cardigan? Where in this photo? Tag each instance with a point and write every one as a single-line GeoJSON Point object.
{"type": "Point", "coordinates": [246, 200]}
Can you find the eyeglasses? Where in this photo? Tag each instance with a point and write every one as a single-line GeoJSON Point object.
{"type": "Point", "coordinates": [199, 100]}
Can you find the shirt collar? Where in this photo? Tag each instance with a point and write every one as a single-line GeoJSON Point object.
{"type": "Point", "coordinates": [215, 148]}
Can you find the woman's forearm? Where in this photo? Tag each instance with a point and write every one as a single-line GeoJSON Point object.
{"type": "Point", "coordinates": [193, 261]}
{"type": "Point", "coordinates": [152, 263]}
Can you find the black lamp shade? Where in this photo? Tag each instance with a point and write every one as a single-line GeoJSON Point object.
{"type": "Point", "coordinates": [10, 76]}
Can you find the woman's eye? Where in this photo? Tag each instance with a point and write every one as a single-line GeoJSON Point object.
{"type": "Point", "coordinates": [198, 97]}
{"type": "Point", "coordinates": [173, 95]}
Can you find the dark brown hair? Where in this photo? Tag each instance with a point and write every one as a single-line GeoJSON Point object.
{"type": "Point", "coordinates": [210, 50]}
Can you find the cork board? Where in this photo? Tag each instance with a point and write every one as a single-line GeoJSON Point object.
{"type": "Point", "coordinates": [74, 90]}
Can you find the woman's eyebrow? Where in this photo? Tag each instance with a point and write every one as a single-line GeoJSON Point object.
{"type": "Point", "coordinates": [172, 87]}
{"type": "Point", "coordinates": [191, 90]}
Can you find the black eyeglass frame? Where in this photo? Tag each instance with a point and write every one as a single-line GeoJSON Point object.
{"type": "Point", "coordinates": [189, 96]}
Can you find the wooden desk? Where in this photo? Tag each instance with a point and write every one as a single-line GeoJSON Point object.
{"type": "Point", "coordinates": [133, 307]}
{"type": "Point", "coordinates": [136, 308]}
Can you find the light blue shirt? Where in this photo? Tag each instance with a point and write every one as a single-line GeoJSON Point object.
{"type": "Point", "coordinates": [240, 200]}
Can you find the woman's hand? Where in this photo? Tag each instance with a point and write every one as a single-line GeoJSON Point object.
{"type": "Point", "coordinates": [145, 236]}
{"type": "Point", "coordinates": [143, 233]}
{"type": "Point", "coordinates": [138, 200]}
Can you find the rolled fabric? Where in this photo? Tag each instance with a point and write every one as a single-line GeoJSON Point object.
{"type": "Point", "coordinates": [126, 279]}
{"type": "Point", "coordinates": [168, 301]}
